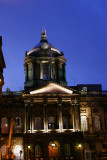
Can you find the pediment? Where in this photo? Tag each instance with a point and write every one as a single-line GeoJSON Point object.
{"type": "Point", "coordinates": [52, 88]}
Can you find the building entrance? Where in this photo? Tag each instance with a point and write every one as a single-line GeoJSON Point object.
{"type": "Point", "coordinates": [54, 150]}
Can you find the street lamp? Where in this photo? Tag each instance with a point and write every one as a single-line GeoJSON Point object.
{"type": "Point", "coordinates": [28, 151]}
{"type": "Point", "coordinates": [79, 145]}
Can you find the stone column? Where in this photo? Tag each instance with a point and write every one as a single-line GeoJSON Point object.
{"type": "Point", "coordinates": [60, 116]}
{"type": "Point", "coordinates": [31, 126]}
{"type": "Point", "coordinates": [33, 70]}
{"type": "Point", "coordinates": [45, 116]}
{"type": "Point", "coordinates": [41, 70]}
{"type": "Point", "coordinates": [25, 124]}
{"type": "Point", "coordinates": [73, 116]}
{"type": "Point", "coordinates": [77, 118]}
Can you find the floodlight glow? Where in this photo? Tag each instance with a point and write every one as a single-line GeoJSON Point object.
{"type": "Point", "coordinates": [51, 88]}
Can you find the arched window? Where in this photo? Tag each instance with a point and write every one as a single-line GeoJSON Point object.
{"type": "Point", "coordinates": [65, 122]}
{"type": "Point", "coordinates": [98, 147]}
{"type": "Point", "coordinates": [30, 71]}
{"type": "Point", "coordinates": [18, 125]}
{"type": "Point", "coordinates": [67, 150]}
{"type": "Point", "coordinates": [18, 121]}
{"type": "Point", "coordinates": [96, 124]}
{"type": "Point", "coordinates": [38, 151]}
{"type": "Point", "coordinates": [3, 152]}
{"type": "Point", "coordinates": [54, 149]}
{"type": "Point", "coordinates": [45, 71]}
{"type": "Point", "coordinates": [51, 123]}
{"type": "Point", "coordinates": [38, 123]}
{"type": "Point", "coordinates": [4, 125]}
{"type": "Point", "coordinates": [84, 123]}
{"type": "Point", "coordinates": [17, 150]}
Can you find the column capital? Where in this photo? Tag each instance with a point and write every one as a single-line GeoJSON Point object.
{"type": "Point", "coordinates": [59, 101]}
{"type": "Point", "coordinates": [45, 101]}
{"type": "Point", "coordinates": [26, 104]}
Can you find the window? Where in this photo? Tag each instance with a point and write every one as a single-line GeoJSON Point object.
{"type": "Point", "coordinates": [88, 155]}
{"type": "Point", "coordinates": [4, 125]}
{"type": "Point", "coordinates": [30, 71]}
{"type": "Point", "coordinates": [96, 124]}
{"type": "Point", "coordinates": [38, 123]}
{"type": "Point", "coordinates": [17, 150]}
{"type": "Point", "coordinates": [18, 121]}
{"type": "Point", "coordinates": [18, 125]}
{"type": "Point", "coordinates": [51, 123]}
{"type": "Point", "coordinates": [98, 147]}
{"type": "Point", "coordinates": [84, 124]}
{"type": "Point", "coordinates": [45, 71]}
{"type": "Point", "coordinates": [105, 122]}
{"type": "Point", "coordinates": [65, 122]}
{"type": "Point", "coordinates": [84, 89]}
{"type": "Point", "coordinates": [54, 149]}
{"type": "Point", "coordinates": [38, 151]}
{"type": "Point", "coordinates": [67, 150]}
{"type": "Point", "coordinates": [3, 152]}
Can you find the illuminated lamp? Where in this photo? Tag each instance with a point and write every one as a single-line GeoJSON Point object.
{"type": "Point", "coordinates": [79, 145]}
{"type": "Point", "coordinates": [28, 147]}
{"type": "Point", "coordinates": [53, 144]}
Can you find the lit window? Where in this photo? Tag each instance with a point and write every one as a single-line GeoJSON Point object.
{"type": "Point", "coordinates": [30, 71]}
{"type": "Point", "coordinates": [51, 123]}
{"type": "Point", "coordinates": [84, 124]}
{"type": "Point", "coordinates": [96, 124]}
{"type": "Point", "coordinates": [18, 125]}
{"type": "Point", "coordinates": [45, 71]}
{"type": "Point", "coordinates": [4, 125]}
{"type": "Point", "coordinates": [18, 121]}
{"type": "Point", "coordinates": [3, 152]}
{"type": "Point", "coordinates": [17, 150]}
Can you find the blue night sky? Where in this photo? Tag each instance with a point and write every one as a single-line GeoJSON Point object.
{"type": "Point", "coordinates": [76, 27]}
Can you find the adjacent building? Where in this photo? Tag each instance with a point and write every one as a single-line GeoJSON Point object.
{"type": "Point", "coordinates": [53, 121]}
{"type": "Point", "coordinates": [2, 66]}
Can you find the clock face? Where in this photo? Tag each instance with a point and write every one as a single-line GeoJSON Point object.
{"type": "Point", "coordinates": [45, 46]}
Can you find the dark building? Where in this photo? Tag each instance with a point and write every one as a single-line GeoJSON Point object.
{"type": "Point", "coordinates": [53, 121]}
{"type": "Point", "coordinates": [2, 66]}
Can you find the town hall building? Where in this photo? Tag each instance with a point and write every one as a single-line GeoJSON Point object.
{"type": "Point", "coordinates": [52, 121]}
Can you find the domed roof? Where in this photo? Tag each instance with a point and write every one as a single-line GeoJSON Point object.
{"type": "Point", "coordinates": [43, 44]}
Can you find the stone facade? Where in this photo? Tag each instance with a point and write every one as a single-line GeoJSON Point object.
{"type": "Point", "coordinates": [53, 121]}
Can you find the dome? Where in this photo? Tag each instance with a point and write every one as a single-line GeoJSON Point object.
{"type": "Point", "coordinates": [44, 63]}
{"type": "Point", "coordinates": [44, 45]}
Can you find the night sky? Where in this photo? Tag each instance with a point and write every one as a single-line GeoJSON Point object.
{"type": "Point", "coordinates": [76, 27]}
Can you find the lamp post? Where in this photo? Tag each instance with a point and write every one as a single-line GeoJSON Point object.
{"type": "Point", "coordinates": [20, 154]}
{"type": "Point", "coordinates": [28, 151]}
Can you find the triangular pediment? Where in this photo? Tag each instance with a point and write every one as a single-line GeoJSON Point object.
{"type": "Point", "coordinates": [52, 88]}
